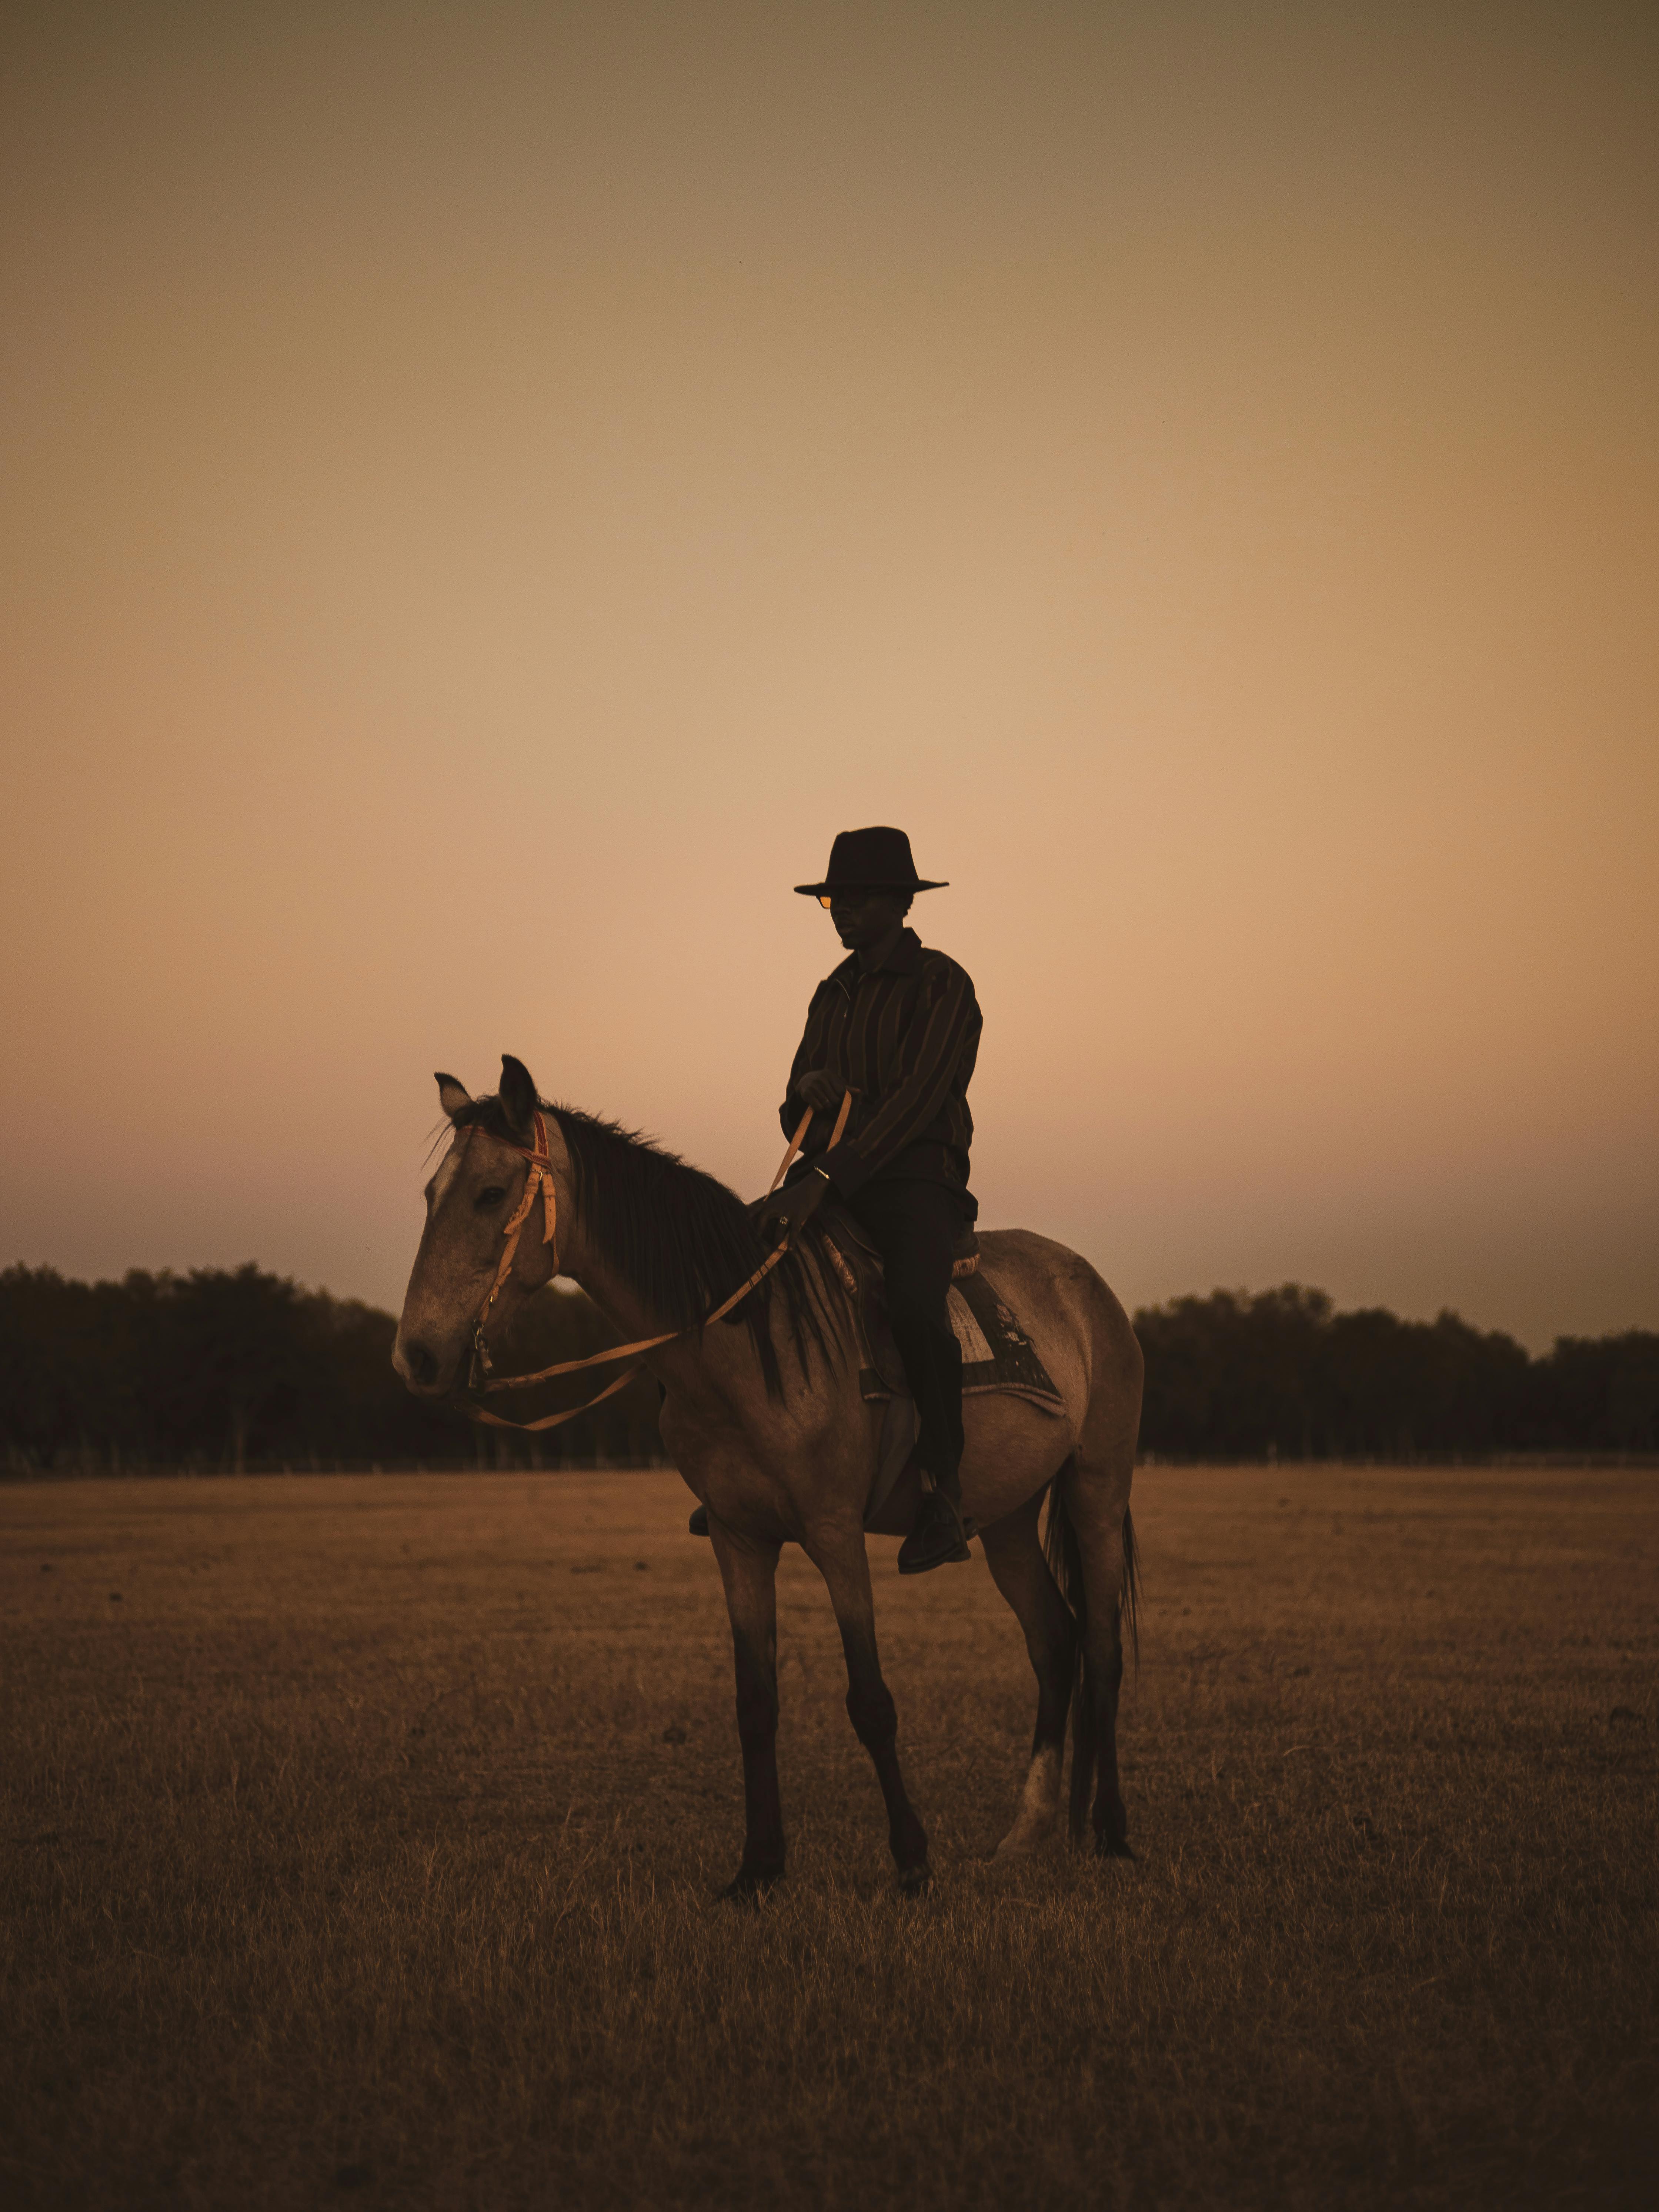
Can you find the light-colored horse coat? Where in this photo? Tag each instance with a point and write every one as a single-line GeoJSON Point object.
{"type": "Point", "coordinates": [798, 1466]}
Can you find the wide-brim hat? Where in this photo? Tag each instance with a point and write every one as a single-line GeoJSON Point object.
{"type": "Point", "coordinates": [869, 861]}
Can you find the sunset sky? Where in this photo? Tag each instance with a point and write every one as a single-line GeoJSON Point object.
{"type": "Point", "coordinates": [488, 491]}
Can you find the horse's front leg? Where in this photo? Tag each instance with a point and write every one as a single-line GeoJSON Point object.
{"type": "Point", "coordinates": [749, 1569]}
{"type": "Point", "coordinates": [845, 1565]}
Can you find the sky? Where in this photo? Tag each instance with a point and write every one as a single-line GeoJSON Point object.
{"type": "Point", "coordinates": [487, 490]}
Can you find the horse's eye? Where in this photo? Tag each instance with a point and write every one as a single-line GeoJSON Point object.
{"type": "Point", "coordinates": [490, 1197]}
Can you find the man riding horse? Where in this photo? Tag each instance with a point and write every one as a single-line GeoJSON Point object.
{"type": "Point", "coordinates": [664, 1250]}
{"type": "Point", "coordinates": [898, 1026]}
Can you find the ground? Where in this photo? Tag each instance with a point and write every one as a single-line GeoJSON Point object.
{"type": "Point", "coordinates": [361, 1833]}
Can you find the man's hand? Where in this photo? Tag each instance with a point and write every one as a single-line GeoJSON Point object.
{"type": "Point", "coordinates": [821, 1091]}
{"type": "Point", "coordinates": [793, 1207]}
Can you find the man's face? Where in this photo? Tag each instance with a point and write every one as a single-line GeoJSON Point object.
{"type": "Point", "coordinates": [863, 918]}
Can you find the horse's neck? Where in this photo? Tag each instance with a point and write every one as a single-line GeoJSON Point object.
{"type": "Point", "coordinates": [686, 1349]}
{"type": "Point", "coordinates": [615, 1297]}
{"type": "Point", "coordinates": [578, 1257]}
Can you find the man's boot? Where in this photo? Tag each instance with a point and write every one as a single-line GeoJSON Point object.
{"type": "Point", "coordinates": [940, 1536]}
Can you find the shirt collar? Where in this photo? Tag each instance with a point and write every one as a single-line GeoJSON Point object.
{"type": "Point", "coordinates": [904, 959]}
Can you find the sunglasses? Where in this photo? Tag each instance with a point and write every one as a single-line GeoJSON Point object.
{"type": "Point", "coordinates": [851, 898]}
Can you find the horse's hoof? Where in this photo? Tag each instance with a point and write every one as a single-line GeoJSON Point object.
{"type": "Point", "coordinates": [1024, 1837]}
{"type": "Point", "coordinates": [747, 1887]}
{"type": "Point", "coordinates": [1112, 1847]}
{"type": "Point", "coordinates": [914, 1880]}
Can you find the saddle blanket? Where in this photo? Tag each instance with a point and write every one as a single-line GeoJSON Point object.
{"type": "Point", "coordinates": [997, 1355]}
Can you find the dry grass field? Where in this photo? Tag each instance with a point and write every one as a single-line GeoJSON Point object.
{"type": "Point", "coordinates": [360, 1834]}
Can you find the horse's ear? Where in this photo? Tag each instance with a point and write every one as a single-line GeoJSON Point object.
{"type": "Point", "coordinates": [451, 1096]}
{"type": "Point", "coordinates": [517, 1094]}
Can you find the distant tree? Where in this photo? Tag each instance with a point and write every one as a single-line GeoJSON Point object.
{"type": "Point", "coordinates": [1233, 1375]}
{"type": "Point", "coordinates": [241, 1340]}
{"type": "Point", "coordinates": [1477, 1387]}
{"type": "Point", "coordinates": [1393, 1388]}
{"type": "Point", "coordinates": [1601, 1391]}
{"type": "Point", "coordinates": [47, 1362]}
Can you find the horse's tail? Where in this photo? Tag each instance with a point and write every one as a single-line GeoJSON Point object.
{"type": "Point", "coordinates": [1128, 1605]}
{"type": "Point", "coordinates": [1065, 1556]}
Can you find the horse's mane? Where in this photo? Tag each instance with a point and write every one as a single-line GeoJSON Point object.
{"type": "Point", "coordinates": [681, 1241]}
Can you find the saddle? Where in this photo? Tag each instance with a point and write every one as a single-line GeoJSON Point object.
{"type": "Point", "coordinates": [996, 1354]}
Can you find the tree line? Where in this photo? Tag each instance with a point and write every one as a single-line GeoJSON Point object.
{"type": "Point", "coordinates": [237, 1369]}
{"type": "Point", "coordinates": [234, 1368]}
{"type": "Point", "coordinates": [1282, 1375]}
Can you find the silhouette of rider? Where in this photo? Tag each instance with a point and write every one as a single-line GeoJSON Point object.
{"type": "Point", "coordinates": [898, 1026]}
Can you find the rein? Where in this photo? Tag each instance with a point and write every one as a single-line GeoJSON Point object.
{"type": "Point", "coordinates": [481, 1377]}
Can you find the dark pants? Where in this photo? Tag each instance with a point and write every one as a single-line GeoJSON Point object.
{"type": "Point", "coordinates": [914, 1225]}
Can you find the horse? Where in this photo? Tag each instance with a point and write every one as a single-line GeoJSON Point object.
{"type": "Point", "coordinates": [762, 1413]}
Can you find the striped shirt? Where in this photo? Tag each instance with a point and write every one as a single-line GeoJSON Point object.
{"type": "Point", "coordinates": [904, 1036]}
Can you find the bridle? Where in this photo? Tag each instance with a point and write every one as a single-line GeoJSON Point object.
{"type": "Point", "coordinates": [539, 1178]}
{"type": "Point", "coordinates": [481, 1376]}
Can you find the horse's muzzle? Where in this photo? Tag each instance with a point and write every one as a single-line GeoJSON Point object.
{"type": "Point", "coordinates": [419, 1368]}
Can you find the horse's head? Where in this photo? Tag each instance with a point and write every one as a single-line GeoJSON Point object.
{"type": "Point", "coordinates": [481, 1215]}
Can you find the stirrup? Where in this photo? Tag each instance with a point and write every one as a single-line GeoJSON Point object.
{"type": "Point", "coordinates": [698, 1524]}
{"type": "Point", "coordinates": [949, 1553]}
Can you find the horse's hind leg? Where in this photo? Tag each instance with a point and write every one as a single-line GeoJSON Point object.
{"type": "Point", "coordinates": [1105, 1576]}
{"type": "Point", "coordinates": [845, 1566]}
{"type": "Point", "coordinates": [1014, 1552]}
{"type": "Point", "coordinates": [1094, 1495]}
{"type": "Point", "coordinates": [749, 1571]}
